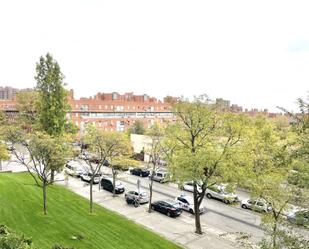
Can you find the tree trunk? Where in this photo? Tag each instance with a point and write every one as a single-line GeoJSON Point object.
{"type": "Point", "coordinates": [150, 189]}
{"type": "Point", "coordinates": [52, 176]}
{"type": "Point", "coordinates": [114, 182]}
{"type": "Point", "coordinates": [198, 228]}
{"type": "Point", "coordinates": [44, 198]}
{"type": "Point", "coordinates": [274, 237]}
{"type": "Point", "coordinates": [90, 193]}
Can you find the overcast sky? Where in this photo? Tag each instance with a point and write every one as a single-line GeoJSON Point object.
{"type": "Point", "coordinates": [254, 53]}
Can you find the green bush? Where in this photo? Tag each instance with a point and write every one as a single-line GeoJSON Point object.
{"type": "Point", "coordinates": [12, 240]}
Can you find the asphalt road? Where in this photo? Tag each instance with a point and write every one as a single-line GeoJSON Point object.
{"type": "Point", "coordinates": [228, 218]}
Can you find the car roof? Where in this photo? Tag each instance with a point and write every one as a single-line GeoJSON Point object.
{"type": "Point", "coordinates": [170, 201]}
{"type": "Point", "coordinates": [187, 197]}
{"type": "Point", "coordinates": [136, 190]}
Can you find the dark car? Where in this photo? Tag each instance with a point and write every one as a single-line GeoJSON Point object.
{"type": "Point", "coordinates": [140, 172]}
{"type": "Point", "coordinates": [170, 208]}
{"type": "Point", "coordinates": [107, 184]}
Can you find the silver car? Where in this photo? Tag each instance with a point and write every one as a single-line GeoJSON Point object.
{"type": "Point", "coordinates": [142, 197]}
{"type": "Point", "coordinates": [87, 177]}
{"type": "Point", "coordinates": [259, 205]}
{"type": "Point", "coordinates": [189, 186]}
{"type": "Point", "coordinates": [219, 192]}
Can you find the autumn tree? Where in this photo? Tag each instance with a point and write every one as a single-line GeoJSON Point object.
{"type": "Point", "coordinates": [205, 144]}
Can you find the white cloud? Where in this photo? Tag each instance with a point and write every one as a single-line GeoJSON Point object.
{"type": "Point", "coordinates": [238, 50]}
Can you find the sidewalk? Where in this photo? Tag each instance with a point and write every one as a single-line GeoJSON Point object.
{"type": "Point", "coordinates": [180, 230]}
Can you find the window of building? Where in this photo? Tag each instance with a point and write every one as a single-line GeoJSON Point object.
{"type": "Point", "coordinates": [100, 107]}
{"type": "Point", "coordinates": [84, 107]}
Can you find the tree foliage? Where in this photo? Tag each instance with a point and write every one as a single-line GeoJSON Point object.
{"type": "Point", "coordinates": [138, 128]}
{"type": "Point", "coordinates": [27, 107]}
{"type": "Point", "coordinates": [52, 99]}
{"type": "Point", "coordinates": [205, 143]}
{"type": "Point", "coordinates": [102, 147]}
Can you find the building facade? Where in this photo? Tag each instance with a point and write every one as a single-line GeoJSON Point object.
{"type": "Point", "coordinates": [116, 112]}
{"type": "Point", "coordinates": [7, 92]}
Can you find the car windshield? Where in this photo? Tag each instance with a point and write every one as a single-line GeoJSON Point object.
{"type": "Point", "coordinates": [118, 183]}
{"type": "Point", "coordinates": [143, 194]}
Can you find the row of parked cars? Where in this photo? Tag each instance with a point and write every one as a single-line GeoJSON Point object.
{"type": "Point", "coordinates": [185, 202]}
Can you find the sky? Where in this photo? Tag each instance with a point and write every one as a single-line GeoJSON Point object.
{"type": "Point", "coordinates": [253, 53]}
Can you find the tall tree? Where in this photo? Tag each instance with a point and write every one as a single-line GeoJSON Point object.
{"type": "Point", "coordinates": [52, 97]}
{"type": "Point", "coordinates": [205, 142]}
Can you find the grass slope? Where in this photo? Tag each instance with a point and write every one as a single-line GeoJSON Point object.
{"type": "Point", "coordinates": [21, 210]}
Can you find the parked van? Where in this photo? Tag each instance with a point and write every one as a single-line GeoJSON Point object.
{"type": "Point", "coordinates": [74, 168]}
{"type": "Point", "coordinates": [160, 176]}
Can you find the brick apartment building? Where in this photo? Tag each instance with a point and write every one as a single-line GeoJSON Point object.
{"type": "Point", "coordinates": [116, 112]}
{"type": "Point", "coordinates": [110, 111]}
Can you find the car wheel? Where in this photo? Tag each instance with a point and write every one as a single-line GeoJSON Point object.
{"type": "Point", "coordinates": [141, 174]}
{"type": "Point", "coordinates": [208, 196]}
{"type": "Point", "coordinates": [226, 201]}
{"type": "Point", "coordinates": [153, 207]}
{"type": "Point", "coordinates": [244, 206]}
{"type": "Point", "coordinates": [191, 211]}
{"type": "Point", "coordinates": [168, 214]}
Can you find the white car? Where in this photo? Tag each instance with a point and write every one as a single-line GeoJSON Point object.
{"type": "Point", "coordinates": [142, 197]}
{"type": "Point", "coordinates": [74, 168]}
{"type": "Point", "coordinates": [219, 192]}
{"type": "Point", "coordinates": [186, 203]}
{"type": "Point", "coordinates": [259, 205]}
{"type": "Point", "coordinates": [87, 177]}
{"type": "Point", "coordinates": [189, 186]}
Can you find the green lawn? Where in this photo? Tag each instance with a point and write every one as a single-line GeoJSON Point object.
{"type": "Point", "coordinates": [21, 210]}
